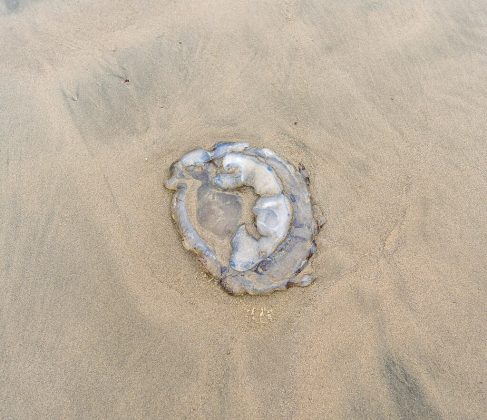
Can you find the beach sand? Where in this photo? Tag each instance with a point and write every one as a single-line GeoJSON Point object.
{"type": "Point", "coordinates": [104, 314]}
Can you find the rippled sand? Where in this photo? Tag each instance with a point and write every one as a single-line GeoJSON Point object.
{"type": "Point", "coordinates": [103, 314]}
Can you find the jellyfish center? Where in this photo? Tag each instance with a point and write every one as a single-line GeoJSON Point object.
{"type": "Point", "coordinates": [272, 209]}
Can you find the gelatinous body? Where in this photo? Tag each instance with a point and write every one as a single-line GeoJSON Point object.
{"type": "Point", "coordinates": [270, 256]}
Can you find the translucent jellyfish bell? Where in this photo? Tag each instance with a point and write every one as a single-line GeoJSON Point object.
{"type": "Point", "coordinates": [208, 208]}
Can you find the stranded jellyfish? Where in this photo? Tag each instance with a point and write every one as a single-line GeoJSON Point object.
{"type": "Point", "coordinates": [248, 216]}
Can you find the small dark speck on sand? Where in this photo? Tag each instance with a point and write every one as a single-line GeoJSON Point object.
{"type": "Point", "coordinates": [126, 80]}
{"type": "Point", "coordinates": [295, 123]}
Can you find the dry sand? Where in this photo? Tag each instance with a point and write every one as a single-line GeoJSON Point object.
{"type": "Point", "coordinates": [103, 314]}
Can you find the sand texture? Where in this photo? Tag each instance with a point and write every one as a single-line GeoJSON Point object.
{"type": "Point", "coordinates": [103, 314]}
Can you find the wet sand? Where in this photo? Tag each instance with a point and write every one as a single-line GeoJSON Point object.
{"type": "Point", "coordinates": [103, 314]}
